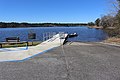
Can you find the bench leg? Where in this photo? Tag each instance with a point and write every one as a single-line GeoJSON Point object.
{"type": "Point", "coordinates": [0, 45]}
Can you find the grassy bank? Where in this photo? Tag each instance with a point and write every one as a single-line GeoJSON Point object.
{"type": "Point", "coordinates": [113, 40]}
{"type": "Point", "coordinates": [20, 45]}
{"type": "Point", "coordinates": [97, 27]}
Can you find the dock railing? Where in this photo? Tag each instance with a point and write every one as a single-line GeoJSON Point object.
{"type": "Point", "coordinates": [48, 35]}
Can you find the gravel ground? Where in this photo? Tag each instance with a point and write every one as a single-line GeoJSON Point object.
{"type": "Point", "coordinates": [73, 61]}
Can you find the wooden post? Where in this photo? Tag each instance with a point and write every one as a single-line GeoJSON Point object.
{"type": "Point", "coordinates": [1, 45]}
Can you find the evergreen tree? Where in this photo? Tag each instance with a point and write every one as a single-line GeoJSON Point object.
{"type": "Point", "coordinates": [97, 22]}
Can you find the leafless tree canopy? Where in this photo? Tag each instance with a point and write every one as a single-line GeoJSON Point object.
{"type": "Point", "coordinates": [111, 22]}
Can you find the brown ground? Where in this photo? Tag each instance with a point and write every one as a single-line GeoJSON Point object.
{"type": "Point", "coordinates": [113, 40]}
{"type": "Point", "coordinates": [97, 27]}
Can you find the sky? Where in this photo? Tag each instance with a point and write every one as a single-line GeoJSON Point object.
{"type": "Point", "coordinates": [47, 11]}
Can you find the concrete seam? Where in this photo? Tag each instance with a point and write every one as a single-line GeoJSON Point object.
{"type": "Point", "coordinates": [66, 62]}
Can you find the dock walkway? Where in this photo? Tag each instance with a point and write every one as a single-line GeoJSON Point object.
{"type": "Point", "coordinates": [20, 53]}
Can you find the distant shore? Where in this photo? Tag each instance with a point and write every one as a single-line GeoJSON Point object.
{"type": "Point", "coordinates": [27, 25]}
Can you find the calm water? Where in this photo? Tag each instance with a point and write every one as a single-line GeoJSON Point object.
{"type": "Point", "coordinates": [85, 34]}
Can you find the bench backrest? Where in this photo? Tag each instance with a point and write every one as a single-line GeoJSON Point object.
{"type": "Point", "coordinates": [12, 39]}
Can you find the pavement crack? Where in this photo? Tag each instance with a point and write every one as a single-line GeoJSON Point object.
{"type": "Point", "coordinates": [66, 62]}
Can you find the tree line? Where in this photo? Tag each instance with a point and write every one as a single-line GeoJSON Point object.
{"type": "Point", "coordinates": [110, 22]}
{"type": "Point", "coordinates": [17, 25]}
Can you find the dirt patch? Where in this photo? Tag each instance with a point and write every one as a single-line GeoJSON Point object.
{"type": "Point", "coordinates": [113, 40]}
{"type": "Point", "coordinates": [97, 27]}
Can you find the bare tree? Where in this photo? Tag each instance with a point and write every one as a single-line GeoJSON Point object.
{"type": "Point", "coordinates": [111, 22]}
{"type": "Point", "coordinates": [107, 21]}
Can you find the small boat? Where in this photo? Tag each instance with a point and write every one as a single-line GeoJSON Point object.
{"type": "Point", "coordinates": [72, 35]}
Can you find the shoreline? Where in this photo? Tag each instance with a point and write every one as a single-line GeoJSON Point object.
{"type": "Point", "coordinates": [96, 27]}
{"type": "Point", "coordinates": [112, 41]}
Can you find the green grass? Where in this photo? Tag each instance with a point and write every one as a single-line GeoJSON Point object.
{"type": "Point", "coordinates": [20, 45]}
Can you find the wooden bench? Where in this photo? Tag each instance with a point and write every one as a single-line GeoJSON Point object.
{"type": "Point", "coordinates": [13, 40]}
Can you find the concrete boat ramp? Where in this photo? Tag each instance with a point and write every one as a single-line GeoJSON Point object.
{"type": "Point", "coordinates": [23, 53]}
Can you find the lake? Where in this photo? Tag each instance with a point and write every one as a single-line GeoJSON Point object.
{"type": "Point", "coordinates": [85, 34]}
